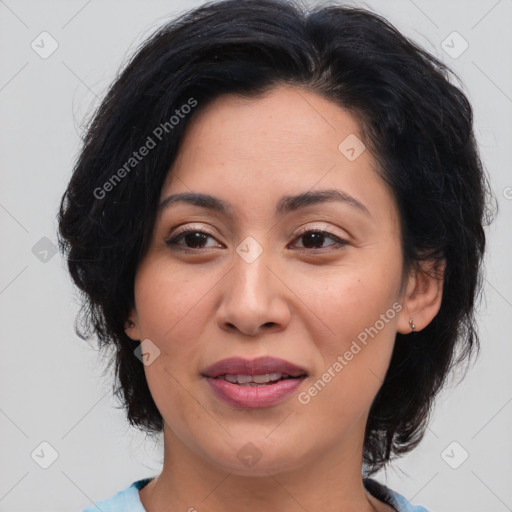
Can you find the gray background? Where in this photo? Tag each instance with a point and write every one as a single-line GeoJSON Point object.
{"type": "Point", "coordinates": [51, 384]}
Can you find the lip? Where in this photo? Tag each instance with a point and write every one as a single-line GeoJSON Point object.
{"type": "Point", "coordinates": [258, 366]}
{"type": "Point", "coordinates": [251, 397]}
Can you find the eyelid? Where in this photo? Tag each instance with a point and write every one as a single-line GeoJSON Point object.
{"type": "Point", "coordinates": [325, 229]}
{"type": "Point", "coordinates": [185, 229]}
{"type": "Point", "coordinates": [190, 227]}
{"type": "Point", "coordinates": [341, 240]}
{"type": "Point", "coordinates": [304, 229]}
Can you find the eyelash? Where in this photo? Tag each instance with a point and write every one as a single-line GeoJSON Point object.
{"type": "Point", "coordinates": [173, 241]}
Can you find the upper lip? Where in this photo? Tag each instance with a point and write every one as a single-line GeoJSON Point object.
{"type": "Point", "coordinates": [258, 366]}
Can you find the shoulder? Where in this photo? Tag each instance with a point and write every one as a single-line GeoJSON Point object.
{"type": "Point", "coordinates": [126, 500]}
{"type": "Point", "coordinates": [391, 497]}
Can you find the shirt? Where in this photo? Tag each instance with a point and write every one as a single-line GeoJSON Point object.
{"type": "Point", "coordinates": [128, 499]}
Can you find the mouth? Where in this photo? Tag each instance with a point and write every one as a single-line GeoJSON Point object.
{"type": "Point", "coordinates": [261, 370]}
{"type": "Point", "coordinates": [257, 380]}
{"type": "Point", "coordinates": [255, 383]}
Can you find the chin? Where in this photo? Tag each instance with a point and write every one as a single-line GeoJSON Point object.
{"type": "Point", "coordinates": [257, 458]}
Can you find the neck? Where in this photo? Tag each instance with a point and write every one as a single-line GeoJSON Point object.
{"type": "Point", "coordinates": [329, 482]}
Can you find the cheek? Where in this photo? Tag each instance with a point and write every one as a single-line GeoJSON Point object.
{"type": "Point", "coordinates": [353, 370]}
{"type": "Point", "coordinates": [360, 306]}
{"type": "Point", "coordinates": [171, 312]}
{"type": "Point", "coordinates": [170, 303]}
{"type": "Point", "coordinates": [353, 300]}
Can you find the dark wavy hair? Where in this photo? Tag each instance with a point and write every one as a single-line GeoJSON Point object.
{"type": "Point", "coordinates": [415, 121]}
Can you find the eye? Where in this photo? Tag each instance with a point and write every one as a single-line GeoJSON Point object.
{"type": "Point", "coordinates": [193, 238]}
{"type": "Point", "coordinates": [313, 237]}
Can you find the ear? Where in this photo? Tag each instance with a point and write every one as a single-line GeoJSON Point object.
{"type": "Point", "coordinates": [422, 297]}
{"type": "Point", "coordinates": [131, 326]}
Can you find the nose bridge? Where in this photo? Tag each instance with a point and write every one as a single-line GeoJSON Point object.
{"type": "Point", "coordinates": [252, 273]}
{"type": "Point", "coordinates": [251, 297]}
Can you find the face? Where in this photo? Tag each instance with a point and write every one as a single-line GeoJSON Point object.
{"type": "Point", "coordinates": [315, 283]}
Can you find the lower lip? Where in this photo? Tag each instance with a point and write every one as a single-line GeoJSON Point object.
{"type": "Point", "coordinates": [252, 397]}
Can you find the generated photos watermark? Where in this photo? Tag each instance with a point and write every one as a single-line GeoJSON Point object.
{"type": "Point", "coordinates": [342, 360]}
{"type": "Point", "coordinates": [157, 135]}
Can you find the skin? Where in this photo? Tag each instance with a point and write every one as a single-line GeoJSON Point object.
{"type": "Point", "coordinates": [303, 299]}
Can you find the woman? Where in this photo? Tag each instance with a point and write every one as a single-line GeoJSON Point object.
{"type": "Point", "coordinates": [277, 221]}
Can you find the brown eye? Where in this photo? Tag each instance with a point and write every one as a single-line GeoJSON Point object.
{"type": "Point", "coordinates": [315, 238]}
{"type": "Point", "coordinates": [190, 239]}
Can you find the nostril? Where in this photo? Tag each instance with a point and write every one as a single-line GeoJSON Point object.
{"type": "Point", "coordinates": [233, 327]}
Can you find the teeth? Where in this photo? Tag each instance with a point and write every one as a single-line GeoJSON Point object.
{"type": "Point", "coordinates": [261, 379]}
{"type": "Point", "coordinates": [254, 379]}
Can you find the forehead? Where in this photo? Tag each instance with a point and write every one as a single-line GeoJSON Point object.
{"type": "Point", "coordinates": [282, 126]}
{"type": "Point", "coordinates": [288, 141]}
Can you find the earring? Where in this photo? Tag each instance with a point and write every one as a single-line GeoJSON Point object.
{"type": "Point", "coordinates": [131, 324]}
{"type": "Point", "coordinates": [411, 323]}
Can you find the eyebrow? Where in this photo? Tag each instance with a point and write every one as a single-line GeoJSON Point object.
{"type": "Point", "coordinates": [285, 205]}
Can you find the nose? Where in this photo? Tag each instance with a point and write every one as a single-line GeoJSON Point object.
{"type": "Point", "coordinates": [254, 298]}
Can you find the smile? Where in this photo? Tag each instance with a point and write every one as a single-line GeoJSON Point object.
{"type": "Point", "coordinates": [254, 380]}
